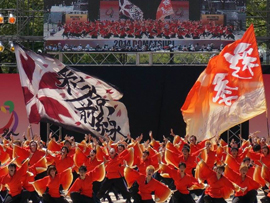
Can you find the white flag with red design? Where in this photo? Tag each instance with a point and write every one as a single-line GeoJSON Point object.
{"type": "Point", "coordinates": [228, 92]}
{"type": "Point", "coordinates": [58, 94]}
{"type": "Point", "coordinates": [165, 9]}
{"type": "Point", "coordinates": [130, 10]}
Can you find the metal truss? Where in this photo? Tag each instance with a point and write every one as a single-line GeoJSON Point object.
{"type": "Point", "coordinates": [233, 133]}
{"type": "Point", "coordinates": [133, 58]}
{"type": "Point", "coordinates": [56, 130]}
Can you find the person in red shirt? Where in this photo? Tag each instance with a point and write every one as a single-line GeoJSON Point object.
{"type": "Point", "coordinates": [35, 154]}
{"type": "Point", "coordinates": [182, 182]}
{"type": "Point", "coordinates": [219, 187]}
{"type": "Point", "coordinates": [14, 182]}
{"type": "Point", "coordinates": [62, 161]}
{"type": "Point", "coordinates": [113, 176]}
{"type": "Point", "coordinates": [251, 168]}
{"type": "Point", "coordinates": [146, 185]}
{"type": "Point", "coordinates": [248, 187]}
{"type": "Point", "coordinates": [211, 157]}
{"type": "Point", "coordinates": [145, 161]}
{"type": "Point", "coordinates": [263, 157]}
{"type": "Point", "coordinates": [185, 157]}
{"type": "Point", "coordinates": [82, 189]}
{"type": "Point", "coordinates": [196, 146]}
{"type": "Point", "coordinates": [53, 182]}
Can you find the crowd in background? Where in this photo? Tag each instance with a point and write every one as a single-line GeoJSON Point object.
{"type": "Point", "coordinates": [191, 47]}
{"type": "Point", "coordinates": [151, 29]}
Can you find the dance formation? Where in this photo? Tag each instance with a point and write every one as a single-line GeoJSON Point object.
{"type": "Point", "coordinates": [172, 171]}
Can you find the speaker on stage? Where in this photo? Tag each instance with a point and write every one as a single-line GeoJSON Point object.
{"type": "Point", "coordinates": [195, 9]}
{"type": "Point", "coordinates": [93, 9]}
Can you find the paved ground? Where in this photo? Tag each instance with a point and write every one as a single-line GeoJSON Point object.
{"type": "Point", "coordinates": [260, 195]}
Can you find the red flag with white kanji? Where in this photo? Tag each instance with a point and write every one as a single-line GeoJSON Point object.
{"type": "Point", "coordinates": [64, 96]}
{"type": "Point", "coordinates": [228, 92]}
{"type": "Point", "coordinates": [165, 9]}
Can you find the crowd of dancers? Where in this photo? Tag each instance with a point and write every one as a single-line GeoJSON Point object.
{"type": "Point", "coordinates": [172, 170]}
{"type": "Point", "coordinates": [151, 29]}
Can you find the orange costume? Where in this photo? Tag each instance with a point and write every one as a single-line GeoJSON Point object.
{"type": "Point", "coordinates": [85, 186]}
{"type": "Point", "coordinates": [15, 182]}
{"type": "Point", "coordinates": [237, 179]}
{"type": "Point", "coordinates": [61, 164]}
{"type": "Point", "coordinates": [182, 183]}
{"type": "Point", "coordinates": [174, 159]}
{"type": "Point", "coordinates": [162, 192]}
{"type": "Point", "coordinates": [217, 188]}
{"type": "Point", "coordinates": [51, 185]}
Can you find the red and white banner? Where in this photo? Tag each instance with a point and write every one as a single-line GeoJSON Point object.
{"type": "Point", "coordinates": [109, 10]}
{"type": "Point", "coordinates": [228, 92]}
{"type": "Point", "coordinates": [58, 94]}
{"type": "Point", "coordinates": [130, 10]}
{"type": "Point", "coordinates": [165, 9]}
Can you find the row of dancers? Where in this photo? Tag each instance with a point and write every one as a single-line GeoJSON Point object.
{"type": "Point", "coordinates": [172, 170]}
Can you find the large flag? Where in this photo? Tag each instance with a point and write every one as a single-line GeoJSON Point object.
{"type": "Point", "coordinates": [165, 9]}
{"type": "Point", "coordinates": [228, 92]}
{"type": "Point", "coordinates": [130, 10]}
{"type": "Point", "coordinates": [61, 95]}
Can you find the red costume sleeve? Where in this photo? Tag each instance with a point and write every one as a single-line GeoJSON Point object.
{"type": "Point", "coordinates": [172, 158]}
{"type": "Point", "coordinates": [79, 158]}
{"type": "Point", "coordinates": [50, 159]}
{"type": "Point", "coordinates": [234, 165]}
{"type": "Point", "coordinates": [66, 178]}
{"type": "Point", "coordinates": [4, 156]}
{"type": "Point", "coordinates": [257, 176]}
{"type": "Point", "coordinates": [131, 176]}
{"type": "Point", "coordinates": [3, 170]}
{"type": "Point", "coordinates": [152, 152]}
{"type": "Point", "coordinates": [76, 186]}
{"type": "Point", "coordinates": [202, 171]}
{"type": "Point", "coordinates": [176, 139]}
{"type": "Point", "coordinates": [230, 174]}
{"type": "Point", "coordinates": [168, 170]}
{"type": "Point", "coordinates": [130, 156]}
{"type": "Point", "coordinates": [228, 188]}
{"type": "Point", "coordinates": [137, 150]}
{"type": "Point", "coordinates": [53, 146]}
{"type": "Point", "coordinates": [245, 143]}
{"type": "Point", "coordinates": [265, 173]}
{"type": "Point", "coordinates": [40, 185]}
{"type": "Point", "coordinates": [21, 153]}
{"type": "Point", "coordinates": [254, 155]}
{"type": "Point", "coordinates": [162, 192]}
{"type": "Point", "coordinates": [201, 144]}
{"type": "Point", "coordinates": [39, 166]}
{"type": "Point", "coordinates": [244, 154]}
{"type": "Point", "coordinates": [100, 153]}
{"type": "Point", "coordinates": [155, 144]}
{"type": "Point", "coordinates": [98, 174]}
{"type": "Point", "coordinates": [23, 169]}
{"type": "Point", "coordinates": [171, 147]}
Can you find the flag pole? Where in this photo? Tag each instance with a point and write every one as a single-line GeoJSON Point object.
{"type": "Point", "coordinates": [31, 130]}
{"type": "Point", "coordinates": [267, 123]}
